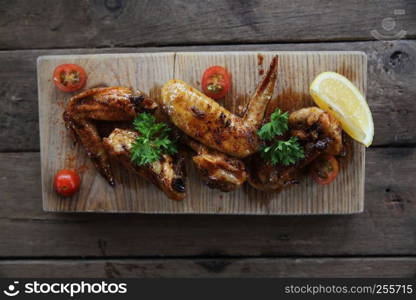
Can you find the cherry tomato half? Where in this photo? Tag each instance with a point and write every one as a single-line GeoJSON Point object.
{"type": "Point", "coordinates": [66, 182]}
{"type": "Point", "coordinates": [69, 77]}
{"type": "Point", "coordinates": [324, 169]}
{"type": "Point", "coordinates": [216, 82]}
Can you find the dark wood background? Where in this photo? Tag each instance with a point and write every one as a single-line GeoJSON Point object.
{"type": "Point", "coordinates": [379, 242]}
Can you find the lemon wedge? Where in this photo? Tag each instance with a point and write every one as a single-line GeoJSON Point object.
{"type": "Point", "coordinates": [335, 93]}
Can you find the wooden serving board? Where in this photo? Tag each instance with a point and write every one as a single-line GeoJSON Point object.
{"type": "Point", "coordinates": [148, 72]}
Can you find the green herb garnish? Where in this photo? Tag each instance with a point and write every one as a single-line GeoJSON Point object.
{"type": "Point", "coordinates": [277, 126]}
{"type": "Point", "coordinates": [152, 142]}
{"type": "Point", "coordinates": [283, 152]}
{"type": "Point", "coordinates": [280, 152]}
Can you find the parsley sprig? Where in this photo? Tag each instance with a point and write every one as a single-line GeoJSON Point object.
{"type": "Point", "coordinates": [277, 126]}
{"type": "Point", "coordinates": [280, 152]}
{"type": "Point", "coordinates": [283, 152]}
{"type": "Point", "coordinates": [152, 142]}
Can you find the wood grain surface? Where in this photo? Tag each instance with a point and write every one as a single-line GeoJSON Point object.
{"type": "Point", "coordinates": [387, 226]}
{"type": "Point", "coordinates": [380, 242]}
{"type": "Point", "coordinates": [213, 268]}
{"type": "Point", "coordinates": [100, 23]}
{"type": "Point", "coordinates": [390, 94]}
{"type": "Point", "coordinates": [148, 72]}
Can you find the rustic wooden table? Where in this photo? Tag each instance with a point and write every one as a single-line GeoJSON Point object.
{"type": "Point", "coordinates": [379, 242]}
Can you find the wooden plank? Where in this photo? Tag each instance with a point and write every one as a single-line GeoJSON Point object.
{"type": "Point", "coordinates": [391, 88]}
{"type": "Point", "coordinates": [148, 72]}
{"type": "Point", "coordinates": [387, 226]}
{"type": "Point", "coordinates": [87, 24]}
{"type": "Point", "coordinates": [388, 267]}
{"type": "Point", "coordinates": [345, 196]}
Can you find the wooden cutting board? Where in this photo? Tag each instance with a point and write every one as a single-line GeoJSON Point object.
{"type": "Point", "coordinates": [148, 72]}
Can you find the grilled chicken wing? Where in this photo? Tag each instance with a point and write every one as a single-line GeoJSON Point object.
{"type": "Point", "coordinates": [166, 173]}
{"type": "Point", "coordinates": [102, 104]}
{"type": "Point", "coordinates": [318, 133]}
{"type": "Point", "coordinates": [218, 170]}
{"type": "Point", "coordinates": [206, 121]}
{"type": "Point", "coordinates": [312, 123]}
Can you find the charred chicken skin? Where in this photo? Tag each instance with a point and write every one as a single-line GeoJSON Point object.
{"type": "Point", "coordinates": [102, 104]}
{"type": "Point", "coordinates": [218, 170]}
{"type": "Point", "coordinates": [312, 123]}
{"type": "Point", "coordinates": [204, 120]}
{"type": "Point", "coordinates": [318, 133]}
{"type": "Point", "coordinates": [167, 173]}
